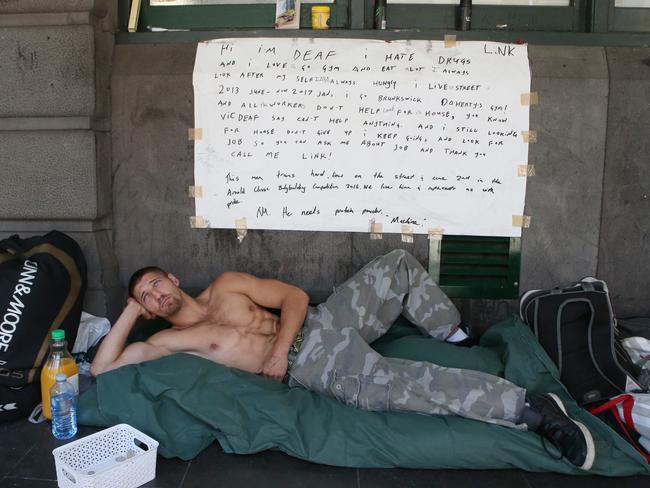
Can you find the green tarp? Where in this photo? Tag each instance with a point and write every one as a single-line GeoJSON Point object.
{"type": "Point", "coordinates": [186, 402]}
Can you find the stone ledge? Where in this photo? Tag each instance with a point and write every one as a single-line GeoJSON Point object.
{"type": "Point", "coordinates": [45, 123]}
{"type": "Point", "coordinates": [28, 20]}
{"type": "Point", "coordinates": [24, 6]}
{"type": "Point", "coordinates": [43, 226]}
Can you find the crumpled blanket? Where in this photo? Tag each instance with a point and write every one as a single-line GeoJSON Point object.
{"type": "Point", "coordinates": [186, 403]}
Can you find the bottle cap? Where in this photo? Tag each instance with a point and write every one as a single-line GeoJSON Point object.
{"type": "Point", "coordinates": [58, 334]}
{"type": "Point", "coordinates": [60, 377]}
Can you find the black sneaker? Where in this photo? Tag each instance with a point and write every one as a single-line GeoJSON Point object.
{"type": "Point", "coordinates": [572, 438]}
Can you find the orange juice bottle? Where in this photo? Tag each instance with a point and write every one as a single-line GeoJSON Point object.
{"type": "Point", "coordinates": [58, 361]}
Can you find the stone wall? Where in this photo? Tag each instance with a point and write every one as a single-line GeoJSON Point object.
{"type": "Point", "coordinates": [624, 251]}
{"type": "Point", "coordinates": [55, 148]}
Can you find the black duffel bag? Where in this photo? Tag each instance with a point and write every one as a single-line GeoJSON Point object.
{"type": "Point", "coordinates": [42, 286]}
{"type": "Point", "coordinates": [19, 401]}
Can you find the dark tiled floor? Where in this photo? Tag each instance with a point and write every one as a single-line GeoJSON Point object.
{"type": "Point", "coordinates": [26, 461]}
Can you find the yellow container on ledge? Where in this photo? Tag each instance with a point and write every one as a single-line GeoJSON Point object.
{"type": "Point", "coordinates": [320, 17]}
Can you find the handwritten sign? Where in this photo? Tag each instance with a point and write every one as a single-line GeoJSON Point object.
{"type": "Point", "coordinates": [335, 134]}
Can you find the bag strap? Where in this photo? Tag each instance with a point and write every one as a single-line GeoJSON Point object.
{"type": "Point", "coordinates": [561, 310]}
{"type": "Point", "coordinates": [626, 423]}
{"type": "Point", "coordinates": [9, 250]}
{"type": "Point", "coordinates": [588, 286]}
{"type": "Point", "coordinates": [13, 245]}
{"type": "Point", "coordinates": [609, 404]}
{"type": "Point", "coordinates": [602, 342]}
{"type": "Point", "coordinates": [628, 405]}
{"type": "Point", "coordinates": [546, 315]}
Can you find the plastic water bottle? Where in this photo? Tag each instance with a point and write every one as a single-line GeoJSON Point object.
{"type": "Point", "coordinates": [63, 401]}
{"type": "Point", "coordinates": [58, 361]}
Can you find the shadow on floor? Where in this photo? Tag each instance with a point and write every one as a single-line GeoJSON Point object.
{"type": "Point", "coordinates": [26, 461]}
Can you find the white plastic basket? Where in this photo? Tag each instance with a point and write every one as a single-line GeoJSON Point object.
{"type": "Point", "coordinates": [118, 457]}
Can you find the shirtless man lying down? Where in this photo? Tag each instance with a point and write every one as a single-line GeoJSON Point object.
{"type": "Point", "coordinates": [326, 348]}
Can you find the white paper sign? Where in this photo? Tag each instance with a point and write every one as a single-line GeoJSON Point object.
{"type": "Point", "coordinates": [333, 134]}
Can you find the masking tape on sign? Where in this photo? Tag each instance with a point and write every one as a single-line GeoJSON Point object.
{"type": "Point", "coordinates": [242, 229]}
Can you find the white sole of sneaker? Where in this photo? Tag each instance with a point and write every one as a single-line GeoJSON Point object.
{"type": "Point", "coordinates": [589, 440]}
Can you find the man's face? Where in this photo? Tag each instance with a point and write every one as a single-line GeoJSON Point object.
{"type": "Point", "coordinates": [159, 294]}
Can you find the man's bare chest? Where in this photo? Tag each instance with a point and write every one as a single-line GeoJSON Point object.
{"type": "Point", "coordinates": [232, 330]}
{"type": "Point", "coordinates": [237, 313]}
{"type": "Point", "coordinates": [239, 347]}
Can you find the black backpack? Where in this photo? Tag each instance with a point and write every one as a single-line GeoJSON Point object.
{"type": "Point", "coordinates": [576, 326]}
{"type": "Point", "coordinates": [42, 285]}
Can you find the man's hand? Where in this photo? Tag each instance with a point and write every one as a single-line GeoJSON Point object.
{"type": "Point", "coordinates": [139, 309]}
{"type": "Point", "coordinates": [275, 367]}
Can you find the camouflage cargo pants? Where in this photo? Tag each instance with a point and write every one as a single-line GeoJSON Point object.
{"type": "Point", "coordinates": [335, 358]}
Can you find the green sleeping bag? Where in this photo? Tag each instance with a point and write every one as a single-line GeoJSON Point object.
{"type": "Point", "coordinates": [186, 402]}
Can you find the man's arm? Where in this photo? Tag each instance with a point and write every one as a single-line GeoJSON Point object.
{"type": "Point", "coordinates": [112, 354]}
{"type": "Point", "coordinates": [292, 302]}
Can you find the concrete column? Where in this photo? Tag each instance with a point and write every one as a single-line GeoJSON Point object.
{"type": "Point", "coordinates": [564, 198]}
{"type": "Point", "coordinates": [624, 251]}
{"type": "Point", "coordinates": [55, 139]}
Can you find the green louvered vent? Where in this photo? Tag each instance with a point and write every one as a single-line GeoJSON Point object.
{"type": "Point", "coordinates": [480, 267]}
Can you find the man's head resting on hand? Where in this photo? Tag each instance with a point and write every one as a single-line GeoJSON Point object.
{"type": "Point", "coordinates": [156, 291]}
